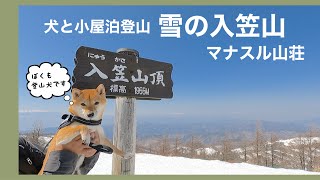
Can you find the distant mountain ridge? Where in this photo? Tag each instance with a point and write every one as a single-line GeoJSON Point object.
{"type": "Point", "coordinates": [208, 128]}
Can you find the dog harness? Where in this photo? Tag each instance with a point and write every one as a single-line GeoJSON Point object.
{"type": "Point", "coordinates": [68, 119]}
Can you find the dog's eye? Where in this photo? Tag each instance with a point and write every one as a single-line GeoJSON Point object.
{"type": "Point", "coordinates": [83, 104]}
{"type": "Point", "coordinates": [96, 103]}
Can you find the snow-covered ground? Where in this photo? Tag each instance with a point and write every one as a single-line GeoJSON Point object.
{"type": "Point", "coordinates": [162, 165]}
{"type": "Point", "coordinates": [207, 151]}
{"type": "Point", "coordinates": [155, 164]}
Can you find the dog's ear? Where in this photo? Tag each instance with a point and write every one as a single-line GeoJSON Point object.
{"type": "Point", "coordinates": [101, 90]}
{"type": "Point", "coordinates": [76, 92]}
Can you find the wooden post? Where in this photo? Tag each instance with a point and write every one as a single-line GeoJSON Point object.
{"type": "Point", "coordinates": [124, 132]}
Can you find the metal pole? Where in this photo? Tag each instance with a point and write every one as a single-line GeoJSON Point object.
{"type": "Point", "coordinates": [124, 132]}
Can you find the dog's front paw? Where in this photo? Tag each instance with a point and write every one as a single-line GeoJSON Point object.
{"type": "Point", "coordinates": [85, 139]}
{"type": "Point", "coordinates": [85, 142]}
{"type": "Point", "coordinates": [128, 155]}
{"type": "Point", "coordinates": [85, 135]}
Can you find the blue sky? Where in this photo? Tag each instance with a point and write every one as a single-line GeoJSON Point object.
{"type": "Point", "coordinates": [265, 90]}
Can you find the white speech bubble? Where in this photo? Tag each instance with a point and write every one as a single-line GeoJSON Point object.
{"type": "Point", "coordinates": [48, 80]}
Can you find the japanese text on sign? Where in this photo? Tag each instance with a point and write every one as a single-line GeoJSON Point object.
{"type": "Point", "coordinates": [122, 75]}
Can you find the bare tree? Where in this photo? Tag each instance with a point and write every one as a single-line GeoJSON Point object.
{"type": "Point", "coordinates": [244, 146]}
{"type": "Point", "coordinates": [266, 152]}
{"type": "Point", "coordinates": [273, 147]}
{"type": "Point", "coordinates": [144, 146]}
{"type": "Point", "coordinates": [301, 152]}
{"type": "Point", "coordinates": [282, 155]}
{"type": "Point", "coordinates": [177, 142]}
{"type": "Point", "coordinates": [312, 147]}
{"type": "Point", "coordinates": [317, 153]}
{"type": "Point", "coordinates": [150, 148]}
{"type": "Point", "coordinates": [164, 148]}
{"type": "Point", "coordinates": [227, 154]}
{"type": "Point", "coordinates": [36, 132]}
{"type": "Point", "coordinates": [258, 143]}
{"type": "Point", "coordinates": [193, 144]}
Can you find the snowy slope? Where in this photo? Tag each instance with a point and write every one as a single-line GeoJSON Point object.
{"type": "Point", "coordinates": [155, 164]}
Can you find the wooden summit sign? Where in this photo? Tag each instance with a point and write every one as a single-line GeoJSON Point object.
{"type": "Point", "coordinates": [122, 75]}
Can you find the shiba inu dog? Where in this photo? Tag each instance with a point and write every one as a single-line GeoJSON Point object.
{"type": "Point", "coordinates": [88, 104]}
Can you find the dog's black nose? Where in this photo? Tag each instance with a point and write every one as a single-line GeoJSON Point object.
{"type": "Point", "coordinates": [90, 115]}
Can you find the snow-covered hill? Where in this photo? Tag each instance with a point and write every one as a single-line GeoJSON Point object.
{"type": "Point", "coordinates": [295, 141]}
{"type": "Point", "coordinates": [155, 164]}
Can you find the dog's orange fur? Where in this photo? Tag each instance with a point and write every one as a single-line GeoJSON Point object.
{"type": "Point", "coordinates": [84, 102]}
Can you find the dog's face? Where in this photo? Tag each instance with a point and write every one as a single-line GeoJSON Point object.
{"type": "Point", "coordinates": [88, 103]}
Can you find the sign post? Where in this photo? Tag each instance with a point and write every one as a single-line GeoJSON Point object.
{"type": "Point", "coordinates": [124, 130]}
{"type": "Point", "coordinates": [126, 77]}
